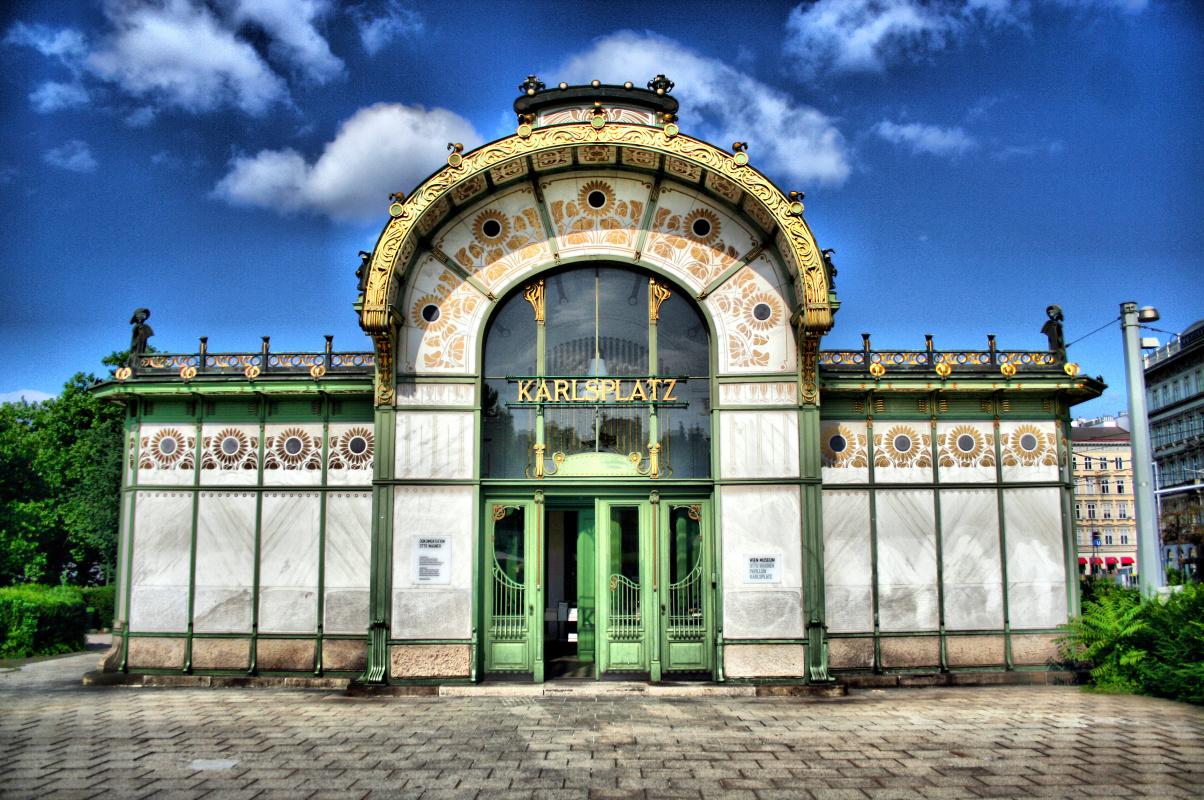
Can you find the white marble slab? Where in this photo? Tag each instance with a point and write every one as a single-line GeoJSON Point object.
{"type": "Point", "coordinates": [155, 468]}
{"type": "Point", "coordinates": [1035, 558]}
{"type": "Point", "coordinates": [449, 345]}
{"type": "Point", "coordinates": [776, 393]}
{"type": "Point", "coordinates": [758, 444]}
{"type": "Point", "coordinates": [436, 394]}
{"type": "Point", "coordinates": [225, 562]}
{"type": "Point", "coordinates": [892, 465]}
{"type": "Point", "coordinates": [433, 612]}
{"type": "Point", "coordinates": [288, 562]}
{"type": "Point", "coordinates": [844, 451]}
{"type": "Point", "coordinates": [966, 452]}
{"type": "Point", "coordinates": [761, 520]}
{"type": "Point", "coordinates": [281, 468]}
{"type": "Point", "coordinates": [907, 579]}
{"type": "Point", "coordinates": [747, 344]}
{"type": "Point", "coordinates": [161, 561]}
{"type": "Point", "coordinates": [848, 571]}
{"type": "Point", "coordinates": [348, 561]}
{"type": "Point", "coordinates": [434, 444]}
{"type": "Point", "coordinates": [123, 554]}
{"type": "Point", "coordinates": [237, 468]}
{"type": "Point", "coordinates": [972, 567]}
{"type": "Point", "coordinates": [1029, 451]}
{"type": "Point", "coordinates": [345, 467]}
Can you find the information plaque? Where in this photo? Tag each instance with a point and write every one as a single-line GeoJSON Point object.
{"type": "Point", "coordinates": [762, 568]}
{"type": "Point", "coordinates": [432, 559]}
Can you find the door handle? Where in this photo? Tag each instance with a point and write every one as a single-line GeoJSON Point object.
{"type": "Point", "coordinates": [662, 608]}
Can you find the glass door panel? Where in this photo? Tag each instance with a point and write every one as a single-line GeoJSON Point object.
{"type": "Point", "coordinates": [623, 588]}
{"type": "Point", "coordinates": [687, 596]}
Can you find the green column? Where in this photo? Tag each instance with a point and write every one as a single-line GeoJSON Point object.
{"type": "Point", "coordinates": [381, 592]}
{"type": "Point", "coordinates": [813, 544]}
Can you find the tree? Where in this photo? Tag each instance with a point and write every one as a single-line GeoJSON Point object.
{"type": "Point", "coordinates": [60, 483]}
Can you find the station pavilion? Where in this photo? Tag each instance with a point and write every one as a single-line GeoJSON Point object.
{"type": "Point", "coordinates": [595, 434]}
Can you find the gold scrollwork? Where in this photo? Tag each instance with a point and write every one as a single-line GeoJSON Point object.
{"type": "Point", "coordinates": [317, 371]}
{"type": "Point", "coordinates": [695, 513]}
{"type": "Point", "coordinates": [499, 512]}
{"type": "Point", "coordinates": [123, 373]}
{"type": "Point", "coordinates": [877, 370]}
{"type": "Point", "coordinates": [943, 369]}
{"type": "Point", "coordinates": [399, 239]}
{"type": "Point", "coordinates": [534, 295]}
{"type": "Point", "coordinates": [1008, 369]}
{"type": "Point", "coordinates": [657, 294]}
{"type": "Point", "coordinates": [252, 371]}
{"type": "Point", "coordinates": [808, 366]}
{"type": "Point", "coordinates": [385, 380]}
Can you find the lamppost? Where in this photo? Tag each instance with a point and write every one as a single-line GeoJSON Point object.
{"type": "Point", "coordinates": [1150, 577]}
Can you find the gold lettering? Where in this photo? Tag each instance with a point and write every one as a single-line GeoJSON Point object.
{"type": "Point", "coordinates": [524, 391]}
{"type": "Point", "coordinates": [562, 389]}
{"type": "Point", "coordinates": [668, 396]}
{"type": "Point", "coordinates": [653, 383]}
{"type": "Point", "coordinates": [591, 391]}
{"type": "Point", "coordinates": [575, 398]}
{"type": "Point", "coordinates": [608, 386]}
{"type": "Point", "coordinates": [543, 393]}
{"type": "Point", "coordinates": [638, 391]}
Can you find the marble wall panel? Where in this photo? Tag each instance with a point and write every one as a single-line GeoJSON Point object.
{"type": "Point", "coordinates": [446, 342]}
{"type": "Point", "coordinates": [225, 562]}
{"type": "Point", "coordinates": [1032, 521]}
{"type": "Point", "coordinates": [436, 394]}
{"type": "Point", "coordinates": [351, 453]}
{"type": "Point", "coordinates": [758, 444]}
{"type": "Point", "coordinates": [292, 454]}
{"type": "Point", "coordinates": [907, 585]}
{"type": "Point", "coordinates": [972, 566]}
{"type": "Point", "coordinates": [1029, 451]}
{"type": "Point", "coordinates": [161, 561]}
{"type": "Point", "coordinates": [752, 323]}
{"type": "Point", "coordinates": [167, 455]}
{"type": "Point", "coordinates": [498, 238]}
{"type": "Point", "coordinates": [902, 452]}
{"type": "Point", "coordinates": [611, 229]}
{"type": "Point", "coordinates": [123, 553]}
{"type": "Point", "coordinates": [844, 451]}
{"type": "Point", "coordinates": [966, 452]}
{"type": "Point", "coordinates": [848, 570]}
{"type": "Point", "coordinates": [778, 393]}
{"type": "Point", "coordinates": [696, 238]}
{"type": "Point", "coordinates": [288, 562]}
{"type": "Point", "coordinates": [762, 520]}
{"type": "Point", "coordinates": [229, 455]}
{"type": "Point", "coordinates": [433, 611]}
{"type": "Point", "coordinates": [434, 444]}
{"type": "Point", "coordinates": [348, 562]}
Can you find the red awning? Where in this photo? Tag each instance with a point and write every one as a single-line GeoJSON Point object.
{"type": "Point", "coordinates": [1082, 561]}
{"type": "Point", "coordinates": [1126, 560]}
{"type": "Point", "coordinates": [1112, 560]}
{"type": "Point", "coordinates": [1097, 561]}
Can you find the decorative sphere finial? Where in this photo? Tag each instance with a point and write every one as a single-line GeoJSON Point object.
{"type": "Point", "coordinates": [531, 85]}
{"type": "Point", "coordinates": [660, 84]}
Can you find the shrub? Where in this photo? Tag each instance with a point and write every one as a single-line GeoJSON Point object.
{"type": "Point", "coordinates": [101, 598]}
{"type": "Point", "coordinates": [1135, 644]}
{"type": "Point", "coordinates": [41, 620]}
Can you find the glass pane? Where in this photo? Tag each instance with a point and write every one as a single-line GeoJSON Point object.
{"type": "Point", "coordinates": [507, 432]}
{"type": "Point", "coordinates": [623, 321]}
{"type": "Point", "coordinates": [686, 432]}
{"type": "Point", "coordinates": [510, 342]}
{"type": "Point", "coordinates": [682, 346]}
{"type": "Point", "coordinates": [569, 299]}
{"type": "Point", "coordinates": [509, 540]}
{"type": "Point", "coordinates": [625, 542]}
{"type": "Point", "coordinates": [685, 541]}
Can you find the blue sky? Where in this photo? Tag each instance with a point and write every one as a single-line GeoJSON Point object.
{"type": "Point", "coordinates": [223, 162]}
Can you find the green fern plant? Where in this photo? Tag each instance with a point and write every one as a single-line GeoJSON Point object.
{"type": "Point", "coordinates": [1106, 638]}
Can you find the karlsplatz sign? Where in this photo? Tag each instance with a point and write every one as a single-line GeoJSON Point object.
{"type": "Point", "coordinates": [638, 390]}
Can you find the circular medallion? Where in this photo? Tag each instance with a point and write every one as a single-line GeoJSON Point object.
{"type": "Point", "coordinates": [1028, 442]}
{"type": "Point", "coordinates": [966, 443]}
{"type": "Point", "coordinates": [430, 312]}
{"type": "Point", "coordinates": [395, 210]}
{"type": "Point", "coordinates": [902, 443]}
{"type": "Point", "coordinates": [168, 445]}
{"type": "Point", "coordinates": [838, 444]}
{"type": "Point", "coordinates": [293, 445]}
{"type": "Point", "coordinates": [230, 445]}
{"type": "Point", "coordinates": [762, 311]}
{"type": "Point", "coordinates": [877, 370]}
{"type": "Point", "coordinates": [524, 131]}
{"type": "Point", "coordinates": [357, 445]}
{"type": "Point", "coordinates": [596, 198]}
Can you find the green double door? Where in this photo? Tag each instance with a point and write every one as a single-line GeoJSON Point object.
{"type": "Point", "coordinates": [645, 587]}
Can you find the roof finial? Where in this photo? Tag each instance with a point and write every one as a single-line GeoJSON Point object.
{"type": "Point", "coordinates": [531, 85]}
{"type": "Point", "coordinates": [660, 84]}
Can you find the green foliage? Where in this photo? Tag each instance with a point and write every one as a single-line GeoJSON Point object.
{"type": "Point", "coordinates": [1135, 644]}
{"type": "Point", "coordinates": [60, 480]}
{"type": "Point", "coordinates": [41, 621]}
{"type": "Point", "coordinates": [102, 599]}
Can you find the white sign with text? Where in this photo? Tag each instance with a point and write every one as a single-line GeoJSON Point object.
{"type": "Point", "coordinates": [432, 559]}
{"type": "Point", "coordinates": [762, 568]}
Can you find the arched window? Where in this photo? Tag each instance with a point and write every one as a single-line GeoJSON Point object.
{"type": "Point", "coordinates": [584, 379]}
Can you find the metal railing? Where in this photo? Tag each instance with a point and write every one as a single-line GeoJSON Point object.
{"type": "Point", "coordinates": [264, 363]}
{"type": "Point", "coordinates": [931, 358]}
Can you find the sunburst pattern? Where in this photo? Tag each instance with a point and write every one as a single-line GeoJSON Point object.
{"type": "Point", "coordinates": [757, 304]}
{"type": "Point", "coordinates": [587, 189]}
{"type": "Point", "coordinates": [352, 450]}
{"type": "Point", "coordinates": [841, 447]}
{"type": "Point", "coordinates": [482, 231]}
{"type": "Point", "coordinates": [711, 229]}
{"type": "Point", "coordinates": [902, 446]}
{"type": "Point", "coordinates": [1028, 446]}
{"type": "Point", "coordinates": [167, 448]}
{"type": "Point", "coordinates": [966, 446]}
{"type": "Point", "coordinates": [292, 449]}
{"type": "Point", "coordinates": [230, 448]}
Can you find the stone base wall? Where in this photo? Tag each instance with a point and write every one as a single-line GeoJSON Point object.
{"type": "Point", "coordinates": [228, 654]}
{"type": "Point", "coordinates": [764, 661]}
{"type": "Point", "coordinates": [413, 661]}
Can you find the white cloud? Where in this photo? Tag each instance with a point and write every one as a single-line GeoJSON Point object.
{"type": "Point", "coordinates": [722, 104]}
{"type": "Point", "coordinates": [383, 148]}
{"type": "Point", "coordinates": [74, 155]}
{"type": "Point", "coordinates": [378, 30]}
{"type": "Point", "coordinates": [929, 139]}
{"type": "Point", "coordinates": [26, 396]}
{"type": "Point", "coordinates": [1027, 151]}
{"type": "Point", "coordinates": [53, 96]}
{"type": "Point", "coordinates": [197, 55]}
{"type": "Point", "coordinates": [834, 36]}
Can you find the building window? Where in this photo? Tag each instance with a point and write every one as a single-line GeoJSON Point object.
{"type": "Point", "coordinates": [1107, 538]}
{"type": "Point", "coordinates": [1074, 462]}
{"type": "Point", "coordinates": [1120, 485]}
{"type": "Point", "coordinates": [1122, 510]}
{"type": "Point", "coordinates": [1124, 538]}
{"type": "Point", "coordinates": [1089, 486]}
{"type": "Point", "coordinates": [1091, 511]}
{"type": "Point", "coordinates": [1088, 462]}
{"type": "Point", "coordinates": [1107, 509]}
{"type": "Point", "coordinates": [1105, 487]}
{"type": "Point", "coordinates": [1078, 510]}
{"type": "Point", "coordinates": [1118, 462]}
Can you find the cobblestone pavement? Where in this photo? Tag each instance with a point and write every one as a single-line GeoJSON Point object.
{"type": "Point", "coordinates": [60, 739]}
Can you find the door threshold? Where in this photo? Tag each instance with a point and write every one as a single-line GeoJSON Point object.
{"type": "Point", "coordinates": [592, 688]}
